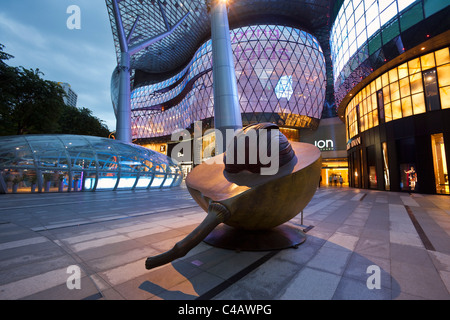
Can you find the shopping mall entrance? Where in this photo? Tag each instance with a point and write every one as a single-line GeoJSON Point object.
{"type": "Point", "coordinates": [333, 170]}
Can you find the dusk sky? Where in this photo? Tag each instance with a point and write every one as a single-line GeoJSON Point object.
{"type": "Point", "coordinates": [36, 34]}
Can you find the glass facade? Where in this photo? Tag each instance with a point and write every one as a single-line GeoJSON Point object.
{"type": "Point", "coordinates": [58, 163]}
{"type": "Point", "coordinates": [366, 34]}
{"type": "Point", "coordinates": [280, 74]}
{"type": "Point", "coordinates": [417, 86]}
{"type": "Point", "coordinates": [356, 22]}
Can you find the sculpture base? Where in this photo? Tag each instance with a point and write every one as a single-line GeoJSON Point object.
{"type": "Point", "coordinates": [281, 237]}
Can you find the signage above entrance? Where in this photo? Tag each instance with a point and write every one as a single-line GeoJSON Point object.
{"type": "Point", "coordinates": [353, 143]}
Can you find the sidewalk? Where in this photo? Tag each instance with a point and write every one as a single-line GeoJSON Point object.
{"type": "Point", "coordinates": [357, 239]}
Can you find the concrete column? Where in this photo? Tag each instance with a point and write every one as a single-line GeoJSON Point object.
{"type": "Point", "coordinates": [227, 111]}
{"type": "Point", "coordinates": [123, 117]}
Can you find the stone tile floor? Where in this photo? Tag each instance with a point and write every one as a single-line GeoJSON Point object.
{"type": "Point", "coordinates": [362, 244]}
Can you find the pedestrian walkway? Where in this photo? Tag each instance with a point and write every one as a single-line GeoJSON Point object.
{"type": "Point", "coordinates": [361, 244]}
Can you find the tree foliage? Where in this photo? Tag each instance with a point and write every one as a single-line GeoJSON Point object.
{"type": "Point", "coordinates": [32, 105]}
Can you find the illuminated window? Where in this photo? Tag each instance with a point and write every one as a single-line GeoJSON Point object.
{"type": "Point", "coordinates": [444, 75]}
{"type": "Point", "coordinates": [418, 102]}
{"type": "Point", "coordinates": [416, 83]}
{"type": "Point", "coordinates": [427, 61]}
{"type": "Point", "coordinates": [442, 57]}
{"type": "Point", "coordinates": [395, 92]}
{"type": "Point", "coordinates": [440, 163]}
{"type": "Point", "coordinates": [399, 95]}
{"type": "Point", "coordinates": [396, 110]}
{"type": "Point", "coordinates": [414, 66]}
{"type": "Point", "coordinates": [406, 107]}
{"type": "Point", "coordinates": [404, 87]}
{"type": "Point", "coordinates": [445, 97]}
{"type": "Point", "coordinates": [388, 112]}
{"type": "Point", "coordinates": [403, 71]}
{"type": "Point", "coordinates": [284, 87]}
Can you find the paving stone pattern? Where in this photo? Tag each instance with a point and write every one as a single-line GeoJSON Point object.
{"type": "Point", "coordinates": [357, 239]}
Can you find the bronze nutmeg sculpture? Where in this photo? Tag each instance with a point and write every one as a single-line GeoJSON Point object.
{"type": "Point", "coordinates": [249, 192]}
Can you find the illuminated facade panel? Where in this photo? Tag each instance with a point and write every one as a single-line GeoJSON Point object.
{"type": "Point", "coordinates": [60, 163]}
{"type": "Point", "coordinates": [417, 86]}
{"type": "Point", "coordinates": [280, 75]}
{"type": "Point", "coordinates": [367, 34]}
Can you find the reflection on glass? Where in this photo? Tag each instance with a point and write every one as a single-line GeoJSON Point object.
{"type": "Point", "coordinates": [372, 177]}
{"type": "Point", "coordinates": [387, 182]}
{"type": "Point", "coordinates": [440, 163]}
{"type": "Point", "coordinates": [431, 90]}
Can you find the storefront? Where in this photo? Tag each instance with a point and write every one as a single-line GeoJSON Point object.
{"type": "Point", "coordinates": [397, 125]}
{"type": "Point", "coordinates": [330, 139]}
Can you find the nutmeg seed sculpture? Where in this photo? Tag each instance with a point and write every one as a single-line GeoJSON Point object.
{"type": "Point", "coordinates": [247, 204]}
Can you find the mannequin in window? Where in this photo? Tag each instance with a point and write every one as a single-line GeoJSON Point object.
{"type": "Point", "coordinates": [412, 177]}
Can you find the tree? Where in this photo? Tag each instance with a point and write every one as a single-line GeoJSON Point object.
{"type": "Point", "coordinates": [75, 120]}
{"type": "Point", "coordinates": [28, 103]}
{"type": "Point", "coordinates": [32, 105]}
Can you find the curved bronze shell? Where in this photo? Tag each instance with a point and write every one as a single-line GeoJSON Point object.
{"type": "Point", "coordinates": [241, 146]}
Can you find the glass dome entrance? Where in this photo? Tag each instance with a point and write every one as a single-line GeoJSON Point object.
{"type": "Point", "coordinates": [60, 163]}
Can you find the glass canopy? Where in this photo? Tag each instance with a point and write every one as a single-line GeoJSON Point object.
{"type": "Point", "coordinates": [60, 163]}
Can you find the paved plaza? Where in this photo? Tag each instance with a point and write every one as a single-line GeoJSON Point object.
{"type": "Point", "coordinates": [361, 244]}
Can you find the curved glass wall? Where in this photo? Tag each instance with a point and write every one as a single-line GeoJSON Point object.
{"type": "Point", "coordinates": [280, 74]}
{"type": "Point", "coordinates": [366, 34]}
{"type": "Point", "coordinates": [414, 87]}
{"type": "Point", "coordinates": [58, 163]}
{"type": "Point", "coordinates": [356, 22]}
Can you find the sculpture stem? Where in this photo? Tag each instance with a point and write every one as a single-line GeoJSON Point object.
{"type": "Point", "coordinates": [217, 213]}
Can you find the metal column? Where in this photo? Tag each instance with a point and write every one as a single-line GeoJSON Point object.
{"type": "Point", "coordinates": [123, 116]}
{"type": "Point", "coordinates": [227, 111]}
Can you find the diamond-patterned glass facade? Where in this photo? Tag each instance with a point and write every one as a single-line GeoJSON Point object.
{"type": "Point", "coordinates": [280, 74]}
{"type": "Point", "coordinates": [174, 51]}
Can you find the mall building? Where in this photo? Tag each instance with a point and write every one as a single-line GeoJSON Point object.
{"type": "Point", "coordinates": [363, 80]}
{"type": "Point", "coordinates": [392, 85]}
